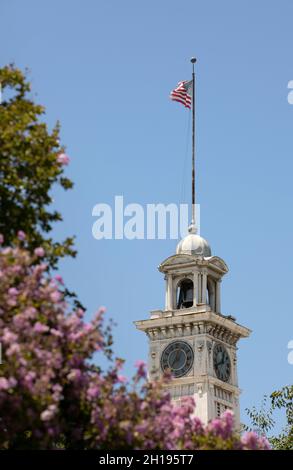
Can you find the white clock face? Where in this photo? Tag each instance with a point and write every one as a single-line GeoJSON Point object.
{"type": "Point", "coordinates": [222, 363]}
{"type": "Point", "coordinates": [178, 358]}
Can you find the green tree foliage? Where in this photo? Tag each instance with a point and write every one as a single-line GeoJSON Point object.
{"type": "Point", "coordinates": [263, 422]}
{"type": "Point", "coordinates": [283, 400]}
{"type": "Point", "coordinates": [29, 167]}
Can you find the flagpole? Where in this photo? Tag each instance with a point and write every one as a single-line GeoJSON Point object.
{"type": "Point", "coordinates": [193, 221]}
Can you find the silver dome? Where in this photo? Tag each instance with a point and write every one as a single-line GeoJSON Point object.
{"type": "Point", "coordinates": [193, 244]}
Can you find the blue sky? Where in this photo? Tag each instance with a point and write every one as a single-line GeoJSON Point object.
{"type": "Point", "coordinates": [105, 70]}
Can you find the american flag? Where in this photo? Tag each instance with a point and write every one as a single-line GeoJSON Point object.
{"type": "Point", "coordinates": [183, 93]}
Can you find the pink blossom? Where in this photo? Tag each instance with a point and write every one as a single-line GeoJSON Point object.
{"type": "Point", "coordinates": [119, 363]}
{"type": "Point", "coordinates": [197, 425]}
{"type": "Point", "coordinates": [223, 427]}
{"type": "Point", "coordinates": [56, 332]}
{"type": "Point", "coordinates": [55, 296]}
{"type": "Point", "coordinates": [40, 327]}
{"type": "Point", "coordinates": [12, 382]}
{"type": "Point", "coordinates": [31, 375]}
{"type": "Point", "coordinates": [30, 312]}
{"type": "Point", "coordinates": [39, 251]}
{"type": "Point", "coordinates": [59, 279]}
{"type": "Point", "coordinates": [139, 363]}
{"type": "Point", "coordinates": [122, 379]}
{"type": "Point", "coordinates": [13, 349]}
{"type": "Point", "coordinates": [80, 313]}
{"type": "Point", "coordinates": [12, 291]}
{"type": "Point", "coordinates": [49, 413]}
{"type": "Point", "coordinates": [4, 384]}
{"type": "Point", "coordinates": [142, 427]}
{"type": "Point", "coordinates": [63, 159]}
{"type": "Point", "coordinates": [21, 235]}
{"type": "Point", "coordinates": [1, 239]}
{"type": "Point", "coordinates": [12, 302]}
{"type": "Point", "coordinates": [40, 268]}
{"type": "Point", "coordinates": [93, 392]}
{"type": "Point", "coordinates": [263, 443]}
{"type": "Point", "coordinates": [250, 440]}
{"type": "Point", "coordinates": [8, 336]}
{"type": "Point", "coordinates": [19, 320]}
{"type": "Point", "coordinates": [74, 374]}
{"type": "Point", "coordinates": [141, 369]}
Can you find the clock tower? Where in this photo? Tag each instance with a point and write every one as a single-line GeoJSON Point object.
{"type": "Point", "coordinates": [191, 337]}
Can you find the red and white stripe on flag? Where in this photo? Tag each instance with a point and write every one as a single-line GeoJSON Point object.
{"type": "Point", "coordinates": [182, 93]}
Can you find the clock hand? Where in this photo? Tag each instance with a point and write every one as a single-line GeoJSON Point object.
{"type": "Point", "coordinates": [176, 358]}
{"type": "Point", "coordinates": [219, 358]}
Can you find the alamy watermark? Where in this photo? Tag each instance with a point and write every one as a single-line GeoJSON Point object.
{"type": "Point", "coordinates": [290, 94]}
{"type": "Point", "coordinates": [135, 221]}
{"type": "Point", "coordinates": [290, 354]}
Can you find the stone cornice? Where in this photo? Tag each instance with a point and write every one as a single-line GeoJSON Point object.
{"type": "Point", "coordinates": [204, 379]}
{"type": "Point", "coordinates": [184, 261]}
{"type": "Point", "coordinates": [192, 324]}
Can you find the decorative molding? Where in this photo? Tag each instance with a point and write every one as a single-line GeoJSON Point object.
{"type": "Point", "coordinates": [186, 261]}
{"type": "Point", "coordinates": [199, 389]}
{"type": "Point", "coordinates": [218, 332]}
{"type": "Point", "coordinates": [223, 394]}
{"type": "Point", "coordinates": [200, 346]}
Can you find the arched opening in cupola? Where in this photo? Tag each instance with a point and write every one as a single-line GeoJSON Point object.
{"type": "Point", "coordinates": [184, 297]}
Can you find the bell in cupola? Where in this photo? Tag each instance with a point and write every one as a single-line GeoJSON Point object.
{"type": "Point", "coordinates": [185, 294]}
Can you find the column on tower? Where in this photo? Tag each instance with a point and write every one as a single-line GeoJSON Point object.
{"type": "Point", "coordinates": [196, 288]}
{"type": "Point", "coordinates": [203, 288]}
{"type": "Point", "coordinates": [218, 296]}
{"type": "Point", "coordinates": [166, 291]}
{"type": "Point", "coordinates": [169, 303]}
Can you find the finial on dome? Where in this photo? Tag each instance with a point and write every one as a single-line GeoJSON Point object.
{"type": "Point", "coordinates": [192, 228]}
